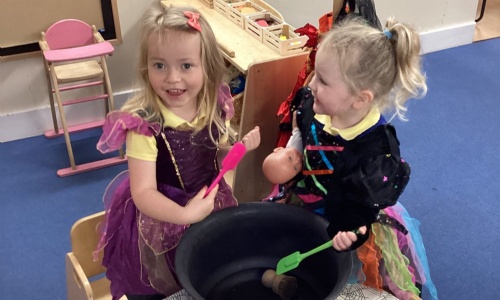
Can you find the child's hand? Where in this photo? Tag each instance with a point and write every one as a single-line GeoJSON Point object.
{"type": "Point", "coordinates": [344, 239]}
{"type": "Point", "coordinates": [198, 208]}
{"type": "Point", "coordinates": [252, 139]}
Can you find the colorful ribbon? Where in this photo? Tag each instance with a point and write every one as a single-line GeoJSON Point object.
{"type": "Point", "coordinates": [193, 19]}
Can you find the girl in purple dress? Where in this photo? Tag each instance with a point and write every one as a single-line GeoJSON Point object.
{"type": "Point", "coordinates": [173, 128]}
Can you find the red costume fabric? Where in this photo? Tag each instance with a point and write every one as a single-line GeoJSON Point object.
{"type": "Point", "coordinates": [284, 111]}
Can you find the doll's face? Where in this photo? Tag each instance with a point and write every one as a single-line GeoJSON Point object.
{"type": "Point", "coordinates": [282, 165]}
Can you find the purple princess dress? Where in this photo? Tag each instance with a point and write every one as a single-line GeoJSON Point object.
{"type": "Point", "coordinates": [139, 251]}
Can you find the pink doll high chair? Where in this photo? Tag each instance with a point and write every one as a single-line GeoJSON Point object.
{"type": "Point", "coordinates": [74, 55]}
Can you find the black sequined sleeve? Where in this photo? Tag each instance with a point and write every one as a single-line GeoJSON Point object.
{"type": "Point", "coordinates": [377, 182]}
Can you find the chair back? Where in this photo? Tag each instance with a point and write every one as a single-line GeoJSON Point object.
{"type": "Point", "coordinates": [84, 239]}
{"type": "Point", "coordinates": [69, 33]}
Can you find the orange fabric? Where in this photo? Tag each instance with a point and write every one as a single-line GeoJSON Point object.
{"type": "Point", "coordinates": [317, 172]}
{"type": "Point", "coordinates": [370, 255]}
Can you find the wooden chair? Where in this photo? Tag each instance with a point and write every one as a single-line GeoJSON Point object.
{"type": "Point", "coordinates": [80, 266]}
{"type": "Point", "coordinates": [74, 55]}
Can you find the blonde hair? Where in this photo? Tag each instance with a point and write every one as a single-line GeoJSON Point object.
{"type": "Point", "coordinates": [145, 102]}
{"type": "Point", "coordinates": [385, 62]}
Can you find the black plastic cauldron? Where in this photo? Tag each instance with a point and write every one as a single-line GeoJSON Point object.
{"type": "Point", "coordinates": [224, 256]}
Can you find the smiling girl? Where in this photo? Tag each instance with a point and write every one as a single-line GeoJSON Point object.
{"type": "Point", "coordinates": [173, 128]}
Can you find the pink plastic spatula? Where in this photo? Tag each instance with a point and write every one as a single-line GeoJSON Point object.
{"type": "Point", "coordinates": [229, 162]}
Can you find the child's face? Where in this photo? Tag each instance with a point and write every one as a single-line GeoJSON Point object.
{"type": "Point", "coordinates": [331, 95]}
{"type": "Point", "coordinates": [175, 70]}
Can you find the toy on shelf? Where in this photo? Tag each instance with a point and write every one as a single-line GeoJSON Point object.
{"type": "Point", "coordinates": [237, 12]}
{"type": "Point", "coordinates": [284, 39]}
{"type": "Point", "coordinates": [256, 23]}
{"type": "Point", "coordinates": [264, 23]}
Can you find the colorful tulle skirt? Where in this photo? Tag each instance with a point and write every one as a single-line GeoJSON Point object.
{"type": "Point", "coordinates": [392, 259]}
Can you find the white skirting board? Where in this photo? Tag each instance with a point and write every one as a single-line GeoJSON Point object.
{"type": "Point", "coordinates": [445, 38]}
{"type": "Point", "coordinates": [30, 123]}
{"type": "Point", "coordinates": [20, 125]}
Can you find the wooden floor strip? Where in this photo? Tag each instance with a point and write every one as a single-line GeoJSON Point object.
{"type": "Point", "coordinates": [489, 25]}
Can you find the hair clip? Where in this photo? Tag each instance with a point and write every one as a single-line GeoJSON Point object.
{"type": "Point", "coordinates": [387, 33]}
{"type": "Point", "coordinates": [193, 19]}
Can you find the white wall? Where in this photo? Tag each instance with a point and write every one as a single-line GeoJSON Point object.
{"type": "Point", "coordinates": [24, 100]}
{"type": "Point", "coordinates": [23, 89]}
{"type": "Point", "coordinates": [442, 24]}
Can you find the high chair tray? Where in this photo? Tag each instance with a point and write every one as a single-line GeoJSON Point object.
{"type": "Point", "coordinates": [89, 51]}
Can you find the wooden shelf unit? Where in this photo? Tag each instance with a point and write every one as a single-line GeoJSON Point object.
{"type": "Point", "coordinates": [270, 78]}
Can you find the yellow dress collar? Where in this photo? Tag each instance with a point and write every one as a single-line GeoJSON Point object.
{"type": "Point", "coordinates": [170, 119]}
{"type": "Point", "coordinates": [350, 133]}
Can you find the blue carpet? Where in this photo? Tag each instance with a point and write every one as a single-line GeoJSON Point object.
{"type": "Point", "coordinates": [38, 209]}
{"type": "Point", "coordinates": [451, 142]}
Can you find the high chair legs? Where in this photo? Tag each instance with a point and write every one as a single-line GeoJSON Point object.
{"type": "Point", "coordinates": [74, 168]}
{"type": "Point", "coordinates": [109, 105]}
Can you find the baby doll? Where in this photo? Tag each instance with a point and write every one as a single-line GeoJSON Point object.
{"type": "Point", "coordinates": [284, 164]}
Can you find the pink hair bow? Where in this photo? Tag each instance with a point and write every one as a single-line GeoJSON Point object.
{"type": "Point", "coordinates": [193, 19]}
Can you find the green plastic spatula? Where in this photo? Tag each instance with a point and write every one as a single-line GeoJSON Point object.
{"type": "Point", "coordinates": [292, 261]}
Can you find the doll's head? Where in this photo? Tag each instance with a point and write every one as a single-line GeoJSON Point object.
{"type": "Point", "coordinates": [282, 165]}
